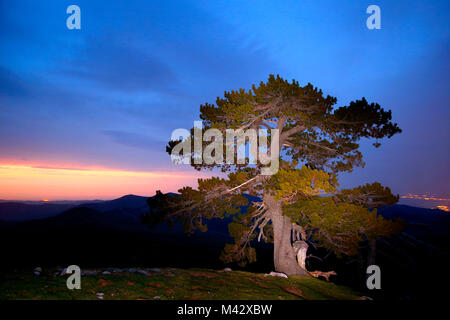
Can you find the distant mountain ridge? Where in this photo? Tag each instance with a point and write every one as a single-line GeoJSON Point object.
{"type": "Point", "coordinates": [129, 201]}
{"type": "Point", "coordinates": [108, 233]}
{"type": "Point", "coordinates": [22, 211]}
{"type": "Point", "coordinates": [130, 207]}
{"type": "Point", "coordinates": [432, 222]}
{"type": "Point", "coordinates": [15, 211]}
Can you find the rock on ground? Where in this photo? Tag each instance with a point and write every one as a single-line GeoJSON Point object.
{"type": "Point", "coordinates": [276, 274]}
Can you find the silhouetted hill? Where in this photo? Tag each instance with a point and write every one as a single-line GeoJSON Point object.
{"type": "Point", "coordinates": [109, 237]}
{"type": "Point", "coordinates": [22, 211]}
{"type": "Point", "coordinates": [72, 218]}
{"type": "Point", "coordinates": [126, 202]}
{"type": "Point", "coordinates": [405, 259]}
{"type": "Point", "coordinates": [5, 224]}
{"type": "Point", "coordinates": [110, 233]}
{"type": "Point", "coordinates": [14, 211]}
{"type": "Point", "coordinates": [422, 222]}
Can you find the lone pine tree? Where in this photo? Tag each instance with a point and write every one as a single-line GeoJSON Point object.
{"type": "Point", "coordinates": [300, 204]}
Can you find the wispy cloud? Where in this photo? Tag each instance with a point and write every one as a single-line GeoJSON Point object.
{"type": "Point", "coordinates": [116, 64]}
{"type": "Point", "coordinates": [136, 140]}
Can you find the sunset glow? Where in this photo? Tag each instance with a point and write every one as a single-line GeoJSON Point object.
{"type": "Point", "coordinates": [26, 182]}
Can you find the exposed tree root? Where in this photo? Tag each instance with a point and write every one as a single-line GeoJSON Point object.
{"type": "Point", "coordinates": [326, 275]}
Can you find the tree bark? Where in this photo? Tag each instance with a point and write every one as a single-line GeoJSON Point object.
{"type": "Point", "coordinates": [301, 247]}
{"type": "Point", "coordinates": [284, 254]}
{"type": "Point", "coordinates": [372, 252]}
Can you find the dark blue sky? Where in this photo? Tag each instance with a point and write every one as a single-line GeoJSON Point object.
{"type": "Point", "coordinates": [110, 94]}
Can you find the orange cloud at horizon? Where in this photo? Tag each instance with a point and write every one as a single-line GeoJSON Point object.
{"type": "Point", "coordinates": [26, 182]}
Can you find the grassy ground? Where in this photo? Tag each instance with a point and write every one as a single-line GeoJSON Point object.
{"type": "Point", "coordinates": [170, 284]}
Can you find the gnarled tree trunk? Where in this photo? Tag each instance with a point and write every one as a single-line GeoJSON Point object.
{"type": "Point", "coordinates": [284, 254]}
{"type": "Point", "coordinates": [372, 252]}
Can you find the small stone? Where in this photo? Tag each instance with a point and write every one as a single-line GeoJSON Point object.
{"type": "Point", "coordinates": [143, 272]}
{"type": "Point", "coordinates": [100, 295]}
{"type": "Point", "coordinates": [37, 269]}
{"type": "Point", "coordinates": [227, 269]}
{"type": "Point", "coordinates": [156, 297]}
{"type": "Point", "coordinates": [276, 274]}
{"type": "Point", "coordinates": [106, 272]}
{"type": "Point", "coordinates": [36, 273]}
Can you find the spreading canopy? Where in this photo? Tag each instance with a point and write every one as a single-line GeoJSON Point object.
{"type": "Point", "coordinates": [316, 143]}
